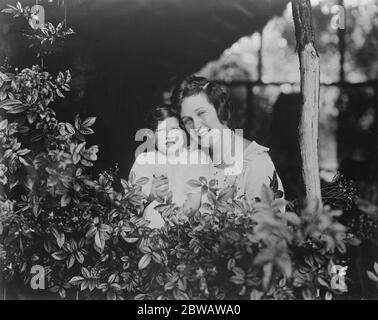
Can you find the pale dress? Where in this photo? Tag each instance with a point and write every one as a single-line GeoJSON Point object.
{"type": "Point", "coordinates": [178, 175]}
{"type": "Point", "coordinates": [257, 168]}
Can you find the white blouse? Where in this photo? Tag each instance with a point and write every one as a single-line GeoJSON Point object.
{"type": "Point", "coordinates": [191, 164]}
{"type": "Point", "coordinates": [256, 171]}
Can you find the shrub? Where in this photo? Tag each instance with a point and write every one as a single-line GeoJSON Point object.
{"type": "Point", "coordinates": [90, 237]}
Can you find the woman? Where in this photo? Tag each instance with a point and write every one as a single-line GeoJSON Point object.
{"type": "Point", "coordinates": [205, 109]}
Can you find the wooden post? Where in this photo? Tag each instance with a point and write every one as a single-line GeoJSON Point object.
{"type": "Point", "coordinates": [260, 57]}
{"type": "Point", "coordinates": [250, 111]}
{"type": "Point", "coordinates": [341, 36]}
{"type": "Point", "coordinates": [310, 84]}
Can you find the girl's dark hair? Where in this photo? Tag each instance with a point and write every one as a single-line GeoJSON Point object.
{"type": "Point", "coordinates": [160, 113]}
{"type": "Point", "coordinates": [216, 95]}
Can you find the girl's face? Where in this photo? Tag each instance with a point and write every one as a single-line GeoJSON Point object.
{"type": "Point", "coordinates": [201, 120]}
{"type": "Point", "coordinates": [169, 136]}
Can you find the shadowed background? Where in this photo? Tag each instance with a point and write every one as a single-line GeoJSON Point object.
{"type": "Point", "coordinates": [126, 53]}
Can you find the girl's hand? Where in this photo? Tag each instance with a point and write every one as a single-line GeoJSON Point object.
{"type": "Point", "coordinates": [192, 204]}
{"type": "Point", "coordinates": [159, 187]}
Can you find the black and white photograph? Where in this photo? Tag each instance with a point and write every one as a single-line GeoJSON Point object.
{"type": "Point", "coordinates": [209, 151]}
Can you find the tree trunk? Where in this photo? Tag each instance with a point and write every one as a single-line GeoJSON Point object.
{"type": "Point", "coordinates": [310, 74]}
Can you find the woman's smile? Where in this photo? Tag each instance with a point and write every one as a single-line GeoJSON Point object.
{"type": "Point", "coordinates": [198, 114]}
{"type": "Point", "coordinates": [170, 143]}
{"type": "Point", "coordinates": [202, 132]}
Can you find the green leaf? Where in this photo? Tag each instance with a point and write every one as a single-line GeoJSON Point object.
{"type": "Point", "coordinates": [71, 261]}
{"type": "Point", "coordinates": [169, 286]}
{"type": "Point", "coordinates": [10, 104]}
{"type": "Point", "coordinates": [292, 218]}
{"type": "Point", "coordinates": [266, 194]}
{"type": "Point", "coordinates": [211, 196]}
{"type": "Point", "coordinates": [3, 95]}
{"type": "Point", "coordinates": [274, 182]}
{"type": "Point", "coordinates": [58, 255]}
{"type": "Point", "coordinates": [141, 181]}
{"type": "Point", "coordinates": [3, 124]}
{"type": "Point", "coordinates": [278, 194]}
{"type": "Point", "coordinates": [59, 93]}
{"type": "Point", "coordinates": [86, 163]}
{"type": "Point", "coordinates": [86, 131]}
{"type": "Point", "coordinates": [202, 180]}
{"type": "Point", "coordinates": [85, 272]}
{"type": "Point", "coordinates": [237, 280]}
{"type": "Point", "coordinates": [104, 228]}
{"type": "Point", "coordinates": [70, 128]}
{"type": "Point", "coordinates": [144, 261]}
{"type": "Point", "coordinates": [131, 240]}
{"type": "Point", "coordinates": [88, 122]}
{"type": "Point", "coordinates": [207, 206]}
{"type": "Point", "coordinates": [17, 109]}
{"type": "Point", "coordinates": [231, 264]}
{"type": "Point", "coordinates": [23, 161]}
{"type": "Point", "coordinates": [144, 249]}
{"type": "Point", "coordinates": [156, 257]}
{"type": "Point", "coordinates": [23, 152]}
{"type": "Point", "coordinates": [62, 293]}
{"type": "Point", "coordinates": [65, 200]}
{"type": "Point", "coordinates": [80, 147]}
{"type": "Point", "coordinates": [60, 238]}
{"type": "Point", "coordinates": [79, 257]}
{"type": "Point", "coordinates": [194, 183]}
{"type": "Point", "coordinates": [91, 232]}
{"type": "Point", "coordinates": [32, 116]}
{"type": "Point", "coordinates": [268, 269]}
{"type": "Point", "coordinates": [54, 289]}
{"type": "Point", "coordinates": [239, 272]}
{"type": "Point", "coordinates": [256, 295]}
{"type": "Point", "coordinates": [307, 294]}
{"type": "Point", "coordinates": [77, 122]}
{"type": "Point", "coordinates": [323, 283]}
{"type": "Point", "coordinates": [99, 240]}
{"type": "Point", "coordinates": [226, 193]}
{"type": "Point", "coordinates": [84, 285]}
{"type": "Point", "coordinates": [132, 177]}
{"type": "Point", "coordinates": [180, 295]}
{"type": "Point", "coordinates": [111, 278]}
{"type": "Point", "coordinates": [372, 276]}
{"type": "Point", "coordinates": [376, 267]}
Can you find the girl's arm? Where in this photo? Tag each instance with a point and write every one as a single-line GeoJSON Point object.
{"type": "Point", "coordinates": [157, 186]}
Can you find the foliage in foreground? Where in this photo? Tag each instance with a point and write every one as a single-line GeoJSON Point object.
{"type": "Point", "coordinates": [91, 238]}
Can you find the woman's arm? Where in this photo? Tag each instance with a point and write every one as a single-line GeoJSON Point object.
{"type": "Point", "coordinates": [259, 172]}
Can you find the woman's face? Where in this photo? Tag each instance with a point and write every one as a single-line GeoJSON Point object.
{"type": "Point", "coordinates": [201, 120]}
{"type": "Point", "coordinates": [169, 136]}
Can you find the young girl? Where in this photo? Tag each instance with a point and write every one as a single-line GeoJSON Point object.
{"type": "Point", "coordinates": [170, 165]}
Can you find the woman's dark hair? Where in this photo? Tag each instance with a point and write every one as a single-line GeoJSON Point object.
{"type": "Point", "coordinates": [216, 95]}
{"type": "Point", "coordinates": [160, 113]}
